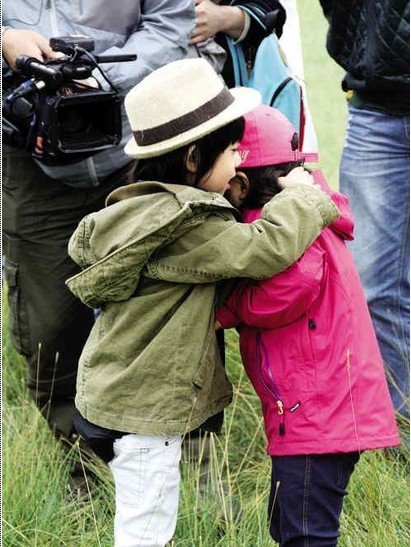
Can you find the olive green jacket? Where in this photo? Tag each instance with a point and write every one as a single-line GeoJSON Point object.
{"type": "Point", "coordinates": [152, 260]}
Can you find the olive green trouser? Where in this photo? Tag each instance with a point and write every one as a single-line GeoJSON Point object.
{"type": "Point", "coordinates": [48, 325]}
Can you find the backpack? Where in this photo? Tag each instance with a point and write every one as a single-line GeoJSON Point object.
{"type": "Point", "coordinates": [269, 74]}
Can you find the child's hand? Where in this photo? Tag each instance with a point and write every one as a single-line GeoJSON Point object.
{"type": "Point", "coordinates": [217, 325]}
{"type": "Point", "coordinates": [299, 175]}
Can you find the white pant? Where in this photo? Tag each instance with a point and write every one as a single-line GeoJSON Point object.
{"type": "Point", "coordinates": [147, 479]}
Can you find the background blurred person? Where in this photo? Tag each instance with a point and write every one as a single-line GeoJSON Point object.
{"type": "Point", "coordinates": [370, 40]}
{"type": "Point", "coordinates": [42, 205]}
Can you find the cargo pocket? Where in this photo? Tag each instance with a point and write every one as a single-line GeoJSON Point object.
{"type": "Point", "coordinates": [17, 317]}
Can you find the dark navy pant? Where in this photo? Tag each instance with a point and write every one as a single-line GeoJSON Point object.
{"type": "Point", "coordinates": [306, 498]}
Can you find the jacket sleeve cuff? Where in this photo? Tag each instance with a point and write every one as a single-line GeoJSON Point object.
{"type": "Point", "coordinates": [319, 199]}
{"type": "Point", "coordinates": [227, 318]}
{"type": "Point", "coordinates": [327, 209]}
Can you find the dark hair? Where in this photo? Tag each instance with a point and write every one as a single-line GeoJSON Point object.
{"type": "Point", "coordinates": [171, 167]}
{"type": "Point", "coordinates": [264, 182]}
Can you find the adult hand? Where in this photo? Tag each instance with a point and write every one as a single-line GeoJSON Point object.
{"type": "Point", "coordinates": [298, 175]}
{"type": "Point", "coordinates": [18, 42]}
{"type": "Point", "coordinates": [212, 18]}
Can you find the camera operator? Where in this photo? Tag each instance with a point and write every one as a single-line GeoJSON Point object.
{"type": "Point", "coordinates": [43, 204]}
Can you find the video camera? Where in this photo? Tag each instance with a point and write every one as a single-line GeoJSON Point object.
{"type": "Point", "coordinates": [54, 114]}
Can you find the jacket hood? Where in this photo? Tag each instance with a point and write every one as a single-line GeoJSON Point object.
{"type": "Point", "coordinates": [113, 245]}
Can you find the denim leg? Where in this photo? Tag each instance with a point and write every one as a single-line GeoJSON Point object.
{"type": "Point", "coordinates": [306, 498]}
{"type": "Point", "coordinates": [374, 173]}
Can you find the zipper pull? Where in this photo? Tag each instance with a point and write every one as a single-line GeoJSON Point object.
{"type": "Point", "coordinates": [280, 411]}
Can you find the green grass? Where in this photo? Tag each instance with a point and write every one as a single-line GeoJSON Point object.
{"type": "Point", "coordinates": [232, 513]}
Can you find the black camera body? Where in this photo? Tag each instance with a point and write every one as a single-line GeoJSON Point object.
{"type": "Point", "coordinates": [54, 114]}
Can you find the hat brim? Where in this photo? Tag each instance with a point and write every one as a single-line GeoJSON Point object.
{"type": "Point", "coordinates": [245, 100]}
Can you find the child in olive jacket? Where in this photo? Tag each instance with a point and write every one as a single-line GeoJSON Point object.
{"type": "Point", "coordinates": [151, 369]}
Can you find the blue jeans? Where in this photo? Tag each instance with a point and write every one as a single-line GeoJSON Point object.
{"type": "Point", "coordinates": [306, 498]}
{"type": "Point", "coordinates": [375, 175]}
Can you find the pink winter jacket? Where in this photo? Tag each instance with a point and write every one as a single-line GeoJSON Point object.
{"type": "Point", "coordinates": [309, 348]}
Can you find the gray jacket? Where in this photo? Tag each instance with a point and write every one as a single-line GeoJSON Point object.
{"type": "Point", "coordinates": [156, 30]}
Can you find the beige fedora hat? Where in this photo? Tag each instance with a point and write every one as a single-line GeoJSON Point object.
{"type": "Point", "coordinates": [180, 103]}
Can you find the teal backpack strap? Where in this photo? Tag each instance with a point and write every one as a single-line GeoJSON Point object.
{"type": "Point", "coordinates": [270, 74]}
{"type": "Point", "coordinates": [239, 63]}
{"type": "Point", "coordinates": [235, 50]}
{"type": "Point", "coordinates": [273, 79]}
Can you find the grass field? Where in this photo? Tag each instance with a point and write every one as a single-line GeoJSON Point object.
{"type": "Point", "coordinates": [36, 511]}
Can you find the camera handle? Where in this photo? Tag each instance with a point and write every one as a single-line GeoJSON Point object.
{"type": "Point", "coordinates": [30, 66]}
{"type": "Point", "coordinates": [54, 77]}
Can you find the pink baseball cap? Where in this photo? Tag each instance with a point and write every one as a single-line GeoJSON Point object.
{"type": "Point", "coordinates": [269, 139]}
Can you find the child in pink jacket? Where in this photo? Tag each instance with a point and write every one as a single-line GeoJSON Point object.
{"type": "Point", "coordinates": [309, 348]}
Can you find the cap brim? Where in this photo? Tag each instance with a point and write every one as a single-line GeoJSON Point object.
{"type": "Point", "coordinates": [245, 100]}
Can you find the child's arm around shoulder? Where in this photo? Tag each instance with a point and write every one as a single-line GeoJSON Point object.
{"type": "Point", "coordinates": [222, 248]}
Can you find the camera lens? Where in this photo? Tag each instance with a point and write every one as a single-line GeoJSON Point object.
{"type": "Point", "coordinates": [75, 121]}
{"type": "Point", "coordinates": [87, 122]}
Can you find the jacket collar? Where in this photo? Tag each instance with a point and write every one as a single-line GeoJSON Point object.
{"type": "Point", "coordinates": [183, 193]}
